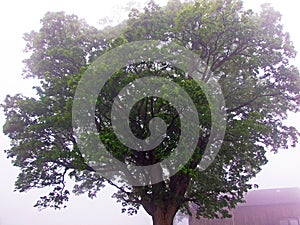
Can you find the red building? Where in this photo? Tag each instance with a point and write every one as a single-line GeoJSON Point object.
{"type": "Point", "coordinates": [262, 207]}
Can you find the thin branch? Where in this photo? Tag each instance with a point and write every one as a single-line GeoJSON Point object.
{"type": "Point", "coordinates": [251, 101]}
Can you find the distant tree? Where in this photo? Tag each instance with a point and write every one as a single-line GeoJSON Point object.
{"type": "Point", "coordinates": [248, 53]}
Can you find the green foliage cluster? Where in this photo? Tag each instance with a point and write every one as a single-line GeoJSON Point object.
{"type": "Point", "coordinates": [248, 53]}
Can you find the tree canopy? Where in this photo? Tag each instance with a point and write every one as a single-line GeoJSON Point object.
{"type": "Point", "coordinates": [249, 55]}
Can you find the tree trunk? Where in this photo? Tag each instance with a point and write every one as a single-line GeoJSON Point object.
{"type": "Point", "coordinates": [164, 216]}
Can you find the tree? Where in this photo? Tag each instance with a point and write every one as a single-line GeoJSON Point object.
{"type": "Point", "coordinates": [248, 53]}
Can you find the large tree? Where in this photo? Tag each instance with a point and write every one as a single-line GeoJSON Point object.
{"type": "Point", "coordinates": [247, 53]}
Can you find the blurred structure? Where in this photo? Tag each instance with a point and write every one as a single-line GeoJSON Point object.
{"type": "Point", "coordinates": [262, 207]}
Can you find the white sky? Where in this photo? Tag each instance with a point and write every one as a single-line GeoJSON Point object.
{"type": "Point", "coordinates": [18, 17]}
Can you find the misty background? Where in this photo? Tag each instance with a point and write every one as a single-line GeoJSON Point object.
{"type": "Point", "coordinates": [18, 17]}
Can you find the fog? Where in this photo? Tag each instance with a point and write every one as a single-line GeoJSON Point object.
{"type": "Point", "coordinates": [18, 17]}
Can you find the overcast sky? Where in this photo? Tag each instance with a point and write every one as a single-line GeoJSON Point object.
{"type": "Point", "coordinates": [18, 17]}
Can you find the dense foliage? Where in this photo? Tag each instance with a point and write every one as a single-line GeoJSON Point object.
{"type": "Point", "coordinates": [249, 55]}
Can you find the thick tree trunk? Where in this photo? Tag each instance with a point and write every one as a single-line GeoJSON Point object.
{"type": "Point", "coordinates": [164, 205]}
{"type": "Point", "coordinates": [164, 216]}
